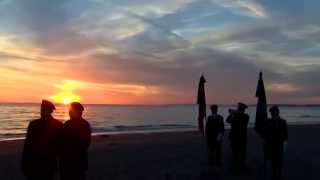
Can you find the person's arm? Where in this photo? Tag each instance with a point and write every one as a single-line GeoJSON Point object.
{"type": "Point", "coordinates": [220, 129]}
{"type": "Point", "coordinates": [60, 140]}
{"type": "Point", "coordinates": [88, 135]}
{"type": "Point", "coordinates": [222, 125]}
{"type": "Point", "coordinates": [247, 120]}
{"type": "Point", "coordinates": [285, 138]}
{"type": "Point", "coordinates": [26, 150]}
{"type": "Point", "coordinates": [285, 131]}
{"type": "Point", "coordinates": [229, 119]}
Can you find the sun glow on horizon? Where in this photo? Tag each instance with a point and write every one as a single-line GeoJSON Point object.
{"type": "Point", "coordinates": [66, 94]}
{"type": "Point", "coordinates": [65, 98]}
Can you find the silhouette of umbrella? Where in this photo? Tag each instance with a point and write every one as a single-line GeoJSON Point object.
{"type": "Point", "coordinates": [261, 113]}
{"type": "Point", "coordinates": [201, 101]}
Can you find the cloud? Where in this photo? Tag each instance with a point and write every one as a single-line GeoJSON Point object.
{"type": "Point", "coordinates": [155, 51]}
{"type": "Point", "coordinates": [244, 7]}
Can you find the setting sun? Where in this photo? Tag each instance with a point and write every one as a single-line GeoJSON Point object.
{"type": "Point", "coordinates": [65, 98]}
{"type": "Point", "coordinates": [66, 93]}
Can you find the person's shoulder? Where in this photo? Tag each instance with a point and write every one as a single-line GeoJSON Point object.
{"type": "Point", "coordinates": [35, 122]}
{"type": "Point", "coordinates": [268, 122]}
{"type": "Point", "coordinates": [245, 115]}
{"type": "Point", "coordinates": [66, 123]}
{"type": "Point", "coordinates": [220, 117]}
{"type": "Point", "coordinates": [86, 122]}
{"type": "Point", "coordinates": [209, 117]}
{"type": "Point", "coordinates": [283, 121]}
{"type": "Point", "coordinates": [56, 122]}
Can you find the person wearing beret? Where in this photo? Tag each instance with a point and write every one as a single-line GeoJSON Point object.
{"type": "Point", "coordinates": [238, 136]}
{"type": "Point", "coordinates": [41, 147]}
{"type": "Point", "coordinates": [275, 141]}
{"type": "Point", "coordinates": [214, 136]}
{"type": "Point", "coordinates": [76, 140]}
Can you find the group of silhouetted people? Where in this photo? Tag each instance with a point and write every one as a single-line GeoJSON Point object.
{"type": "Point", "coordinates": [52, 146]}
{"type": "Point", "coordinates": [275, 136]}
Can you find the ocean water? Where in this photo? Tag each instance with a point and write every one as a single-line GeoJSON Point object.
{"type": "Point", "coordinates": [14, 118]}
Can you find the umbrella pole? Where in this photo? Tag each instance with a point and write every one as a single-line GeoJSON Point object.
{"type": "Point", "coordinates": [264, 166]}
{"type": "Point", "coordinates": [264, 169]}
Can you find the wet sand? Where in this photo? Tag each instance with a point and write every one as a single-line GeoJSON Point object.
{"type": "Point", "coordinates": [178, 155]}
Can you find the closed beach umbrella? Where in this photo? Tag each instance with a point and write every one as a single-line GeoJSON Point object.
{"type": "Point", "coordinates": [261, 113]}
{"type": "Point", "coordinates": [201, 101]}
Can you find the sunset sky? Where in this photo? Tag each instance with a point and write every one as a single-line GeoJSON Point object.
{"type": "Point", "coordinates": [153, 52]}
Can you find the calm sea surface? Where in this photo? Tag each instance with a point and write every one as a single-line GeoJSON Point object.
{"type": "Point", "coordinates": [14, 118]}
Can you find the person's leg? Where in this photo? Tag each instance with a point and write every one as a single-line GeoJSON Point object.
{"type": "Point", "coordinates": [210, 153]}
{"type": "Point", "coordinates": [235, 154]}
{"type": "Point", "coordinates": [73, 175]}
{"type": "Point", "coordinates": [80, 175]}
{"type": "Point", "coordinates": [63, 176]}
{"type": "Point", "coordinates": [83, 176]}
{"type": "Point", "coordinates": [218, 153]}
{"type": "Point", "coordinates": [49, 177]}
{"type": "Point", "coordinates": [242, 155]}
{"type": "Point", "coordinates": [43, 176]}
{"type": "Point", "coordinates": [40, 177]}
{"type": "Point", "coordinates": [277, 166]}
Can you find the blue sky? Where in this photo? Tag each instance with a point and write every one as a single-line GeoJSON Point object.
{"type": "Point", "coordinates": [143, 51]}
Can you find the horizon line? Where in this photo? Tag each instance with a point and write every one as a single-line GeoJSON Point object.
{"type": "Point", "coordinates": [168, 104]}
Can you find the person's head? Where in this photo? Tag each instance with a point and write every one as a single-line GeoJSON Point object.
{"type": "Point", "coordinates": [274, 111]}
{"type": "Point", "coordinates": [242, 107]}
{"type": "Point", "coordinates": [214, 109]}
{"type": "Point", "coordinates": [47, 108]}
{"type": "Point", "coordinates": [75, 111]}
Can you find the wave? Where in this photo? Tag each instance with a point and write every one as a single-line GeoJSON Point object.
{"type": "Point", "coordinates": [306, 116]}
{"type": "Point", "coordinates": [143, 127]}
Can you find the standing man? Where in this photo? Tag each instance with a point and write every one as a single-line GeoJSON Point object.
{"type": "Point", "coordinates": [238, 136]}
{"type": "Point", "coordinates": [39, 156]}
{"type": "Point", "coordinates": [76, 140]}
{"type": "Point", "coordinates": [214, 135]}
{"type": "Point", "coordinates": [276, 137]}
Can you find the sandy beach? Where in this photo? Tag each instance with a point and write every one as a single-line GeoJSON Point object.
{"type": "Point", "coordinates": [178, 155]}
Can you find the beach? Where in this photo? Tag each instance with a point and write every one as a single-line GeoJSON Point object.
{"type": "Point", "coordinates": [178, 155]}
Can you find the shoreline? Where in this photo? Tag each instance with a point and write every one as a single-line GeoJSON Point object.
{"type": "Point", "coordinates": [161, 131]}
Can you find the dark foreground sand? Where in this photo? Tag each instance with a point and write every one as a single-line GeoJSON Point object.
{"type": "Point", "coordinates": [178, 155]}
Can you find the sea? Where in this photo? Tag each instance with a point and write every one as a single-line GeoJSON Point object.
{"type": "Point", "coordinates": [117, 119]}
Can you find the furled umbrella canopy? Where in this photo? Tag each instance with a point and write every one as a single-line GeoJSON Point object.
{"type": "Point", "coordinates": [261, 113]}
{"type": "Point", "coordinates": [201, 101]}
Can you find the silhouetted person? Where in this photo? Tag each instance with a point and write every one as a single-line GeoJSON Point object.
{"type": "Point", "coordinates": [238, 136]}
{"type": "Point", "coordinates": [276, 135]}
{"type": "Point", "coordinates": [76, 141]}
{"type": "Point", "coordinates": [214, 134]}
{"type": "Point", "coordinates": [39, 157]}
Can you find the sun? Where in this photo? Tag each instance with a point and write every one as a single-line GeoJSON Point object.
{"type": "Point", "coordinates": [66, 93]}
{"type": "Point", "coordinates": [65, 98]}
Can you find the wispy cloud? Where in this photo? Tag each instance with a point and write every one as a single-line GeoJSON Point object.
{"type": "Point", "coordinates": [143, 51]}
{"type": "Point", "coordinates": [244, 7]}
